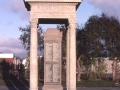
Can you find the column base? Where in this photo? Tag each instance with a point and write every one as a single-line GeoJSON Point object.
{"type": "Point", "coordinates": [52, 87]}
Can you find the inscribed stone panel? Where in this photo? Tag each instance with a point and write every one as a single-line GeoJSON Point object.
{"type": "Point", "coordinates": [54, 8]}
{"type": "Point", "coordinates": [49, 51]}
{"type": "Point", "coordinates": [56, 52]}
{"type": "Point", "coordinates": [56, 73]}
{"type": "Point", "coordinates": [49, 70]}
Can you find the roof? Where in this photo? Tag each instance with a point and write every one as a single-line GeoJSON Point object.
{"type": "Point", "coordinates": [6, 55]}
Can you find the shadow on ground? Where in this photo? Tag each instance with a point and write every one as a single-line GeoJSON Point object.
{"type": "Point", "coordinates": [13, 83]}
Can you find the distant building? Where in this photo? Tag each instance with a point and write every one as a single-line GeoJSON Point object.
{"type": "Point", "coordinates": [107, 62]}
{"type": "Point", "coordinates": [26, 64]}
{"type": "Point", "coordinates": [17, 61]}
{"type": "Point", "coordinates": [7, 57]}
{"type": "Point", "coordinates": [12, 60]}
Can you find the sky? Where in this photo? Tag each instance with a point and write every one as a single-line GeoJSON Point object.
{"type": "Point", "coordinates": [13, 15]}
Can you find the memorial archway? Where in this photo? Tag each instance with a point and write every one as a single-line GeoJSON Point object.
{"type": "Point", "coordinates": [53, 12]}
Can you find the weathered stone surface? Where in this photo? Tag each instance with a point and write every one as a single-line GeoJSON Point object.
{"type": "Point", "coordinates": [52, 59]}
{"type": "Point", "coordinates": [52, 87]}
{"type": "Point", "coordinates": [49, 51]}
{"type": "Point", "coordinates": [33, 55]}
{"type": "Point", "coordinates": [52, 8]}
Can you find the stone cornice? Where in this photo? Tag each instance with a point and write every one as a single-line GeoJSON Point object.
{"type": "Point", "coordinates": [28, 3]}
{"type": "Point", "coordinates": [52, 3]}
{"type": "Point", "coordinates": [52, 0]}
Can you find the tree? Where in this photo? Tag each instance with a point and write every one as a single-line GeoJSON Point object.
{"type": "Point", "coordinates": [41, 67]}
{"type": "Point", "coordinates": [80, 42]}
{"type": "Point", "coordinates": [63, 29]}
{"type": "Point", "coordinates": [112, 38]}
{"type": "Point", "coordinates": [103, 36]}
{"type": "Point", "coordinates": [27, 64]}
{"type": "Point", "coordinates": [88, 44]}
{"type": "Point", "coordinates": [25, 40]}
{"type": "Point", "coordinates": [25, 37]}
{"type": "Point", "coordinates": [1, 63]}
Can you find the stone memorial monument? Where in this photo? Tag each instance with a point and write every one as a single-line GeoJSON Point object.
{"type": "Point", "coordinates": [52, 59]}
{"type": "Point", "coordinates": [53, 12]}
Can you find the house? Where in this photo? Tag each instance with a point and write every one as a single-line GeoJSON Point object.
{"type": "Point", "coordinates": [17, 61]}
{"type": "Point", "coordinates": [7, 57]}
{"type": "Point", "coordinates": [107, 63]}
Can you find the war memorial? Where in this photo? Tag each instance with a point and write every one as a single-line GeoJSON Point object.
{"type": "Point", "coordinates": [53, 12]}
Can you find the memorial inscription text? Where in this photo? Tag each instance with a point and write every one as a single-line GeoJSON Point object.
{"type": "Point", "coordinates": [52, 63]}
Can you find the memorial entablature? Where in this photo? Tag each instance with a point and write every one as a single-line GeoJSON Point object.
{"type": "Point", "coordinates": [52, 11]}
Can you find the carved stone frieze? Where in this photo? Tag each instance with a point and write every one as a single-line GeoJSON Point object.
{"type": "Point", "coordinates": [52, 15]}
{"type": "Point", "coordinates": [51, 3]}
{"type": "Point", "coordinates": [53, 8]}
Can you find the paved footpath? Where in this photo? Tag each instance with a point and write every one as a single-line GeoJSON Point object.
{"type": "Point", "coordinates": [78, 88]}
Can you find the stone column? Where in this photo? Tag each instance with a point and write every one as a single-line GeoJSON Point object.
{"type": "Point", "coordinates": [33, 55]}
{"type": "Point", "coordinates": [67, 61]}
{"type": "Point", "coordinates": [72, 55]}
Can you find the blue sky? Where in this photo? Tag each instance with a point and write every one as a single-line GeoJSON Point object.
{"type": "Point", "coordinates": [13, 15]}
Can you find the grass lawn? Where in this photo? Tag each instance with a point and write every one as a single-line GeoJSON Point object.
{"type": "Point", "coordinates": [2, 82]}
{"type": "Point", "coordinates": [97, 83]}
{"type": "Point", "coordinates": [85, 83]}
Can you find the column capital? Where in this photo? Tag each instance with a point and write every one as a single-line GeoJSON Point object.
{"type": "Point", "coordinates": [72, 22]}
{"type": "Point", "coordinates": [33, 22]}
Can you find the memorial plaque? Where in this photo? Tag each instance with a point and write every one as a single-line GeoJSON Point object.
{"type": "Point", "coordinates": [56, 52]}
{"type": "Point", "coordinates": [49, 71]}
{"type": "Point", "coordinates": [49, 51]}
{"type": "Point", "coordinates": [56, 73]}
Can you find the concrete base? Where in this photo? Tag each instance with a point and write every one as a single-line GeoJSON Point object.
{"type": "Point", "coordinates": [33, 88]}
{"type": "Point", "coordinates": [52, 87]}
{"type": "Point", "coordinates": [72, 89]}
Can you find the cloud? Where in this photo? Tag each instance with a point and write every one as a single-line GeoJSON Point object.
{"type": "Point", "coordinates": [111, 7]}
{"type": "Point", "coordinates": [12, 45]}
{"type": "Point", "coordinates": [16, 7]}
